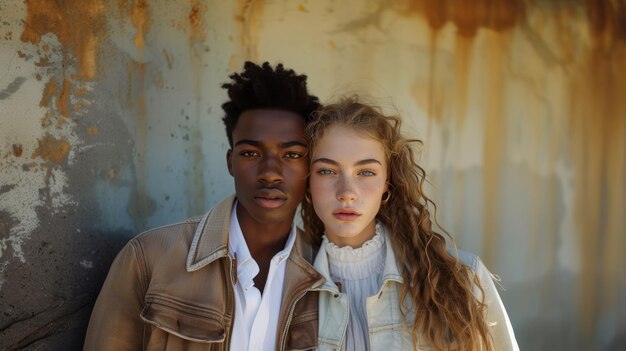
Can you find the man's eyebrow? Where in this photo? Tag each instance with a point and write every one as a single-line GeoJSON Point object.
{"type": "Point", "coordinates": [248, 142]}
{"type": "Point", "coordinates": [358, 163]}
{"type": "Point", "coordinates": [293, 143]}
{"type": "Point", "coordinates": [259, 143]}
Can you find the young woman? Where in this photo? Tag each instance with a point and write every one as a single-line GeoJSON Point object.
{"type": "Point", "coordinates": [391, 282]}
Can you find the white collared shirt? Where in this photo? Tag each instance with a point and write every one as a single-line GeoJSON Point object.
{"type": "Point", "coordinates": [256, 316]}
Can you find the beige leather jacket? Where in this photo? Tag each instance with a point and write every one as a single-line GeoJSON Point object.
{"type": "Point", "coordinates": [171, 288]}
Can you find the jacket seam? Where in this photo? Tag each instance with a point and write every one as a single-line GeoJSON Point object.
{"type": "Point", "coordinates": [193, 220]}
{"type": "Point", "coordinates": [141, 264]}
{"type": "Point", "coordinates": [168, 301]}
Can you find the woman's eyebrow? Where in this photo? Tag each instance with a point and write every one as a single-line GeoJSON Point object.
{"type": "Point", "coordinates": [367, 161]}
{"type": "Point", "coordinates": [335, 163]}
{"type": "Point", "coordinates": [326, 160]}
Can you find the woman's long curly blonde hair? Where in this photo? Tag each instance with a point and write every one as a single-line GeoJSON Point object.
{"type": "Point", "coordinates": [446, 313]}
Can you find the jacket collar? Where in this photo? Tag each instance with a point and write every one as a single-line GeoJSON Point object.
{"type": "Point", "coordinates": [210, 240]}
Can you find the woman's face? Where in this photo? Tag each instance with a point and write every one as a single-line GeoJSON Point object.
{"type": "Point", "coordinates": [348, 179]}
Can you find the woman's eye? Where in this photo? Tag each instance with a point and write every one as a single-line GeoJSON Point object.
{"type": "Point", "coordinates": [325, 171]}
{"type": "Point", "coordinates": [367, 173]}
{"type": "Point", "coordinates": [293, 155]}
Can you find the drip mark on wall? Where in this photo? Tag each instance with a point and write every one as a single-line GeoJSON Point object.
{"type": "Point", "coordinates": [12, 88]}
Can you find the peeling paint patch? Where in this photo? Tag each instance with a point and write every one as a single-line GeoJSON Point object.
{"type": "Point", "coordinates": [79, 26]}
{"type": "Point", "coordinates": [52, 149]}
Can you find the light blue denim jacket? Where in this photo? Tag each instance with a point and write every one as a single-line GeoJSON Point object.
{"type": "Point", "coordinates": [386, 329]}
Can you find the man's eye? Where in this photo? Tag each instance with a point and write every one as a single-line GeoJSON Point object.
{"type": "Point", "coordinates": [367, 173]}
{"type": "Point", "coordinates": [248, 153]}
{"type": "Point", "coordinates": [325, 171]}
{"type": "Point", "coordinates": [293, 155]}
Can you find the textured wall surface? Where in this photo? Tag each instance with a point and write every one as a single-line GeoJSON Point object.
{"type": "Point", "coordinates": [110, 125]}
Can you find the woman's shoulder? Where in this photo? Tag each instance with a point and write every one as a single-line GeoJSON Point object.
{"type": "Point", "coordinates": [467, 258]}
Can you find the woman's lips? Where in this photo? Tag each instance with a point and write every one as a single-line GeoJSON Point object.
{"type": "Point", "coordinates": [346, 215]}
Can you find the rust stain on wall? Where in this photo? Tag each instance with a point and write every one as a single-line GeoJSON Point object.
{"type": "Point", "coordinates": [18, 150]}
{"type": "Point", "coordinates": [63, 101]}
{"type": "Point", "coordinates": [462, 63]}
{"type": "Point", "coordinates": [599, 148]}
{"type": "Point", "coordinates": [197, 21]}
{"type": "Point", "coordinates": [79, 26]}
{"type": "Point", "coordinates": [249, 15]}
{"type": "Point", "coordinates": [52, 149]}
{"type": "Point", "coordinates": [494, 142]}
{"type": "Point", "coordinates": [140, 20]}
{"type": "Point", "coordinates": [468, 17]}
{"type": "Point", "coordinates": [50, 90]}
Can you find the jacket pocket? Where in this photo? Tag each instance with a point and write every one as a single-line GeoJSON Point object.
{"type": "Point", "coordinates": [302, 334]}
{"type": "Point", "coordinates": [186, 322]}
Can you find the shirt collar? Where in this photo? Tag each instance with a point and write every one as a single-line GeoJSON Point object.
{"type": "Point", "coordinates": [247, 268]}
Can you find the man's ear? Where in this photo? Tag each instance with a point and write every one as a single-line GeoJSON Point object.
{"type": "Point", "coordinates": [229, 161]}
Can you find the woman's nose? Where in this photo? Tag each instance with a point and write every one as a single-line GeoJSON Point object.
{"type": "Point", "coordinates": [346, 191]}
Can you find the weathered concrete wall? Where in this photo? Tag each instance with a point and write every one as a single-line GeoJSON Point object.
{"type": "Point", "coordinates": [110, 124]}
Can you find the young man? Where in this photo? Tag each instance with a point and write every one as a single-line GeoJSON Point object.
{"type": "Point", "coordinates": [240, 277]}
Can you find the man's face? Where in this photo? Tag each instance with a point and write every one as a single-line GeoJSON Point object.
{"type": "Point", "coordinates": [269, 162]}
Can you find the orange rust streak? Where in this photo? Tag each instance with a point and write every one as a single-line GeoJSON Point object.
{"type": "Point", "coordinates": [494, 143]}
{"type": "Point", "coordinates": [52, 149]}
{"type": "Point", "coordinates": [63, 101]}
{"type": "Point", "coordinates": [197, 22]}
{"type": "Point", "coordinates": [49, 91]}
{"type": "Point", "coordinates": [140, 19]}
{"type": "Point", "coordinates": [250, 13]}
{"type": "Point", "coordinates": [78, 25]}
{"type": "Point", "coordinates": [467, 16]}
{"type": "Point", "coordinates": [462, 62]}
{"type": "Point", "coordinates": [599, 147]}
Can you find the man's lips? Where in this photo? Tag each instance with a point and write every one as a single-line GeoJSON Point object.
{"type": "Point", "coordinates": [270, 198]}
{"type": "Point", "coordinates": [346, 214]}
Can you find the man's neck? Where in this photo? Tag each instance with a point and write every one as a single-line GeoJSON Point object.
{"type": "Point", "coordinates": [264, 241]}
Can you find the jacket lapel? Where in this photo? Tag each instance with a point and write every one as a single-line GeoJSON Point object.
{"type": "Point", "coordinates": [210, 240]}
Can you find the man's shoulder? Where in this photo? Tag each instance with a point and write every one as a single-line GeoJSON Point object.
{"type": "Point", "coordinates": [168, 229]}
{"type": "Point", "coordinates": [164, 238]}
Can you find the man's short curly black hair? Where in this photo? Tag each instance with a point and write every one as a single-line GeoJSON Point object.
{"type": "Point", "coordinates": [259, 87]}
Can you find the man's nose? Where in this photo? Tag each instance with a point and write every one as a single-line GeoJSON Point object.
{"type": "Point", "coordinates": [270, 169]}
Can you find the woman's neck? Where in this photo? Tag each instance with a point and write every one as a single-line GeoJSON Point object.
{"type": "Point", "coordinates": [354, 241]}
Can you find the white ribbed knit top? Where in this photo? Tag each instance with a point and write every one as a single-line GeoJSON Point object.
{"type": "Point", "coordinates": [359, 271]}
